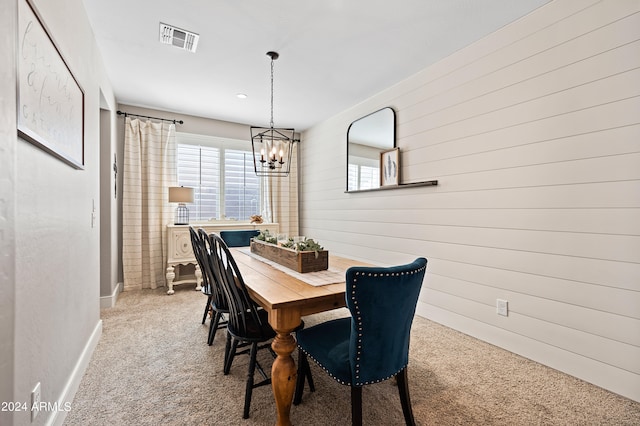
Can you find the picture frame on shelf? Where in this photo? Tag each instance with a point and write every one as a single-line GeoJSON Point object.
{"type": "Point", "coordinates": [390, 167]}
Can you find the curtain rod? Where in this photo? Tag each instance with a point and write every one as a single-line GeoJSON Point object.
{"type": "Point", "coordinates": [146, 116]}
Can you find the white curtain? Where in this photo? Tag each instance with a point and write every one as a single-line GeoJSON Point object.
{"type": "Point", "coordinates": [280, 197]}
{"type": "Point", "coordinates": [149, 169]}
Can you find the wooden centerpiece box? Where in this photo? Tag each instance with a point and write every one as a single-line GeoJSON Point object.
{"type": "Point", "coordinates": [300, 261]}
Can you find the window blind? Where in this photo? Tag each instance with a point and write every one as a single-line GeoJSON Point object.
{"type": "Point", "coordinates": [223, 180]}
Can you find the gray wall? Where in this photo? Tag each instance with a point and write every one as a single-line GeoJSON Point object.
{"type": "Point", "coordinates": [533, 135]}
{"type": "Point", "coordinates": [109, 237]}
{"type": "Point", "coordinates": [53, 326]}
{"type": "Point", "coordinates": [8, 142]}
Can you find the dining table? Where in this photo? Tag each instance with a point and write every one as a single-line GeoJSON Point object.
{"type": "Point", "coordinates": [288, 296]}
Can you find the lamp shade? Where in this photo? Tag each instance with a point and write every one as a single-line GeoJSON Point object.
{"type": "Point", "coordinates": [180, 194]}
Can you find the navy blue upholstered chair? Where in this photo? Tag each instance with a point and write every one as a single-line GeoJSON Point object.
{"type": "Point", "coordinates": [238, 238]}
{"type": "Point", "coordinates": [373, 344]}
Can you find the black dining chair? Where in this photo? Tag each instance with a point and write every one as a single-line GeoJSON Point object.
{"type": "Point", "coordinates": [216, 300]}
{"type": "Point", "coordinates": [247, 324]}
{"type": "Point", "coordinates": [368, 347]}
{"type": "Point", "coordinates": [219, 302]}
{"type": "Point", "coordinates": [206, 288]}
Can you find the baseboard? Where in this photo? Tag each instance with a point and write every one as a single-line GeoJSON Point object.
{"type": "Point", "coordinates": [131, 287]}
{"type": "Point", "coordinates": [68, 393]}
{"type": "Point", "coordinates": [110, 301]}
{"type": "Point", "coordinates": [608, 377]}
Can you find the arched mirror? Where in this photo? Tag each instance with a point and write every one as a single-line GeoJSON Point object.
{"type": "Point", "coordinates": [367, 137]}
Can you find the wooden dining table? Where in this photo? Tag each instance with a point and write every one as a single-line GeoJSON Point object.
{"type": "Point", "coordinates": [287, 299]}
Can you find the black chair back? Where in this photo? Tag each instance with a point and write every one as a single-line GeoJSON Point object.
{"type": "Point", "coordinates": [197, 247]}
{"type": "Point", "coordinates": [216, 290]}
{"type": "Point", "coordinates": [244, 320]}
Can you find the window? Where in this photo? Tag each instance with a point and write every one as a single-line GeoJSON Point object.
{"type": "Point", "coordinates": [242, 186]}
{"type": "Point", "coordinates": [224, 181]}
{"type": "Point", "coordinates": [363, 177]}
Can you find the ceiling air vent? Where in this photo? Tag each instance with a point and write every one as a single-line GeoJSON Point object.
{"type": "Point", "coordinates": [179, 38]}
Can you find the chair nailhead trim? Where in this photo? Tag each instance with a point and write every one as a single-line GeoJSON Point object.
{"type": "Point", "coordinates": [358, 320]}
{"type": "Point", "coordinates": [358, 317]}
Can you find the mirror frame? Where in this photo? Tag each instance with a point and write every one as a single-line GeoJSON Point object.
{"type": "Point", "coordinates": [381, 149]}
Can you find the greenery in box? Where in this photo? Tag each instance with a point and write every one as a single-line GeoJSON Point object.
{"type": "Point", "coordinates": [267, 237]}
{"type": "Point", "coordinates": [308, 244]}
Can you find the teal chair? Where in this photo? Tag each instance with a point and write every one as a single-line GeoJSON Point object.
{"type": "Point", "coordinates": [372, 344]}
{"type": "Point", "coordinates": [238, 238]}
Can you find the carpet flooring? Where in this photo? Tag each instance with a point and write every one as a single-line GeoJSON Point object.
{"type": "Point", "coordinates": [152, 366]}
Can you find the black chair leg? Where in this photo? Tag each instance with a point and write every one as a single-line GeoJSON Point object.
{"type": "Point", "coordinates": [356, 405]}
{"type": "Point", "coordinates": [206, 309]}
{"type": "Point", "coordinates": [229, 353]}
{"type": "Point", "coordinates": [405, 400]}
{"type": "Point", "coordinates": [249, 388]}
{"type": "Point", "coordinates": [307, 369]}
{"type": "Point", "coordinates": [304, 372]}
{"type": "Point", "coordinates": [213, 327]}
{"type": "Point", "coordinates": [297, 396]}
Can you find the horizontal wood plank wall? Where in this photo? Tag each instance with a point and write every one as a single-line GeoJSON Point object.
{"type": "Point", "coordinates": [533, 134]}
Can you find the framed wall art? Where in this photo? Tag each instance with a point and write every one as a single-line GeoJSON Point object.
{"type": "Point", "coordinates": [390, 167]}
{"type": "Point", "coordinates": [50, 101]}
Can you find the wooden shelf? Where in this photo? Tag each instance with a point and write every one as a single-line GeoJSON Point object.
{"type": "Point", "coordinates": [402, 185]}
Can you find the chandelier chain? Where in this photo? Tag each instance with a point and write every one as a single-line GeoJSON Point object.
{"type": "Point", "coordinates": [272, 148]}
{"type": "Point", "coordinates": [271, 122]}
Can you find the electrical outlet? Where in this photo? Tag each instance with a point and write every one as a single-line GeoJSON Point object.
{"type": "Point", "coordinates": [502, 307]}
{"type": "Point", "coordinates": [35, 401]}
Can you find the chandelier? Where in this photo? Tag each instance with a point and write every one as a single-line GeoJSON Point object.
{"type": "Point", "coordinates": [272, 147]}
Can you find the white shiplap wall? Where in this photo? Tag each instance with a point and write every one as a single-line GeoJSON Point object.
{"type": "Point", "coordinates": [534, 136]}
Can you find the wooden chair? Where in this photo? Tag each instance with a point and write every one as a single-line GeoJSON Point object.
{"type": "Point", "coordinates": [373, 344]}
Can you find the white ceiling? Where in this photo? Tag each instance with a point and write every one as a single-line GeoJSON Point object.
{"type": "Point", "coordinates": [333, 53]}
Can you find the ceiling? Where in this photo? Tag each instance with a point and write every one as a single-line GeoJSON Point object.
{"type": "Point", "coordinates": [333, 53]}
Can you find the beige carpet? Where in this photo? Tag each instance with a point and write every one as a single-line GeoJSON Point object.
{"type": "Point", "coordinates": [153, 367]}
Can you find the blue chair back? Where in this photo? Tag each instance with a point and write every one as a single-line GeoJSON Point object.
{"type": "Point", "coordinates": [239, 238]}
{"type": "Point", "coordinates": [382, 302]}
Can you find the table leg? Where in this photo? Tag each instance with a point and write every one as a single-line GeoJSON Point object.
{"type": "Point", "coordinates": [171, 275]}
{"type": "Point", "coordinates": [283, 376]}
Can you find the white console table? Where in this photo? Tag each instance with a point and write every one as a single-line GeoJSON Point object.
{"type": "Point", "coordinates": [180, 252]}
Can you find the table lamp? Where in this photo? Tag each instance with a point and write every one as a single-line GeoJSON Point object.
{"type": "Point", "coordinates": [181, 195]}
